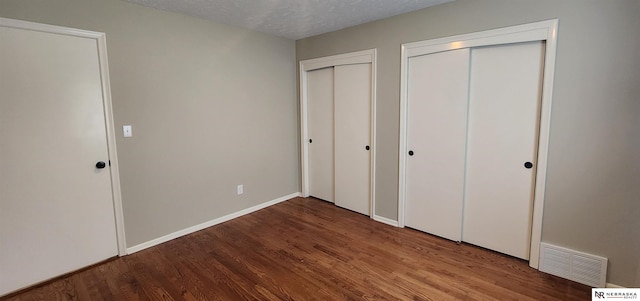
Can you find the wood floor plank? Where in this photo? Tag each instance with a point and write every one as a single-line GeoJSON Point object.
{"type": "Point", "coordinates": [307, 249]}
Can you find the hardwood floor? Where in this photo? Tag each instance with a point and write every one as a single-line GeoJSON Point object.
{"type": "Point", "coordinates": [306, 249]}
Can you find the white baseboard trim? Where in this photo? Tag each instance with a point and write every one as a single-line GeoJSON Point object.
{"type": "Point", "coordinates": [208, 224]}
{"type": "Point", "coordinates": [385, 220]}
{"type": "Point", "coordinates": [611, 285]}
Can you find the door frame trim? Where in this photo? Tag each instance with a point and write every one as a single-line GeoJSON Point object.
{"type": "Point", "coordinates": [101, 44]}
{"type": "Point", "coordinates": [539, 31]}
{"type": "Point", "coordinates": [358, 57]}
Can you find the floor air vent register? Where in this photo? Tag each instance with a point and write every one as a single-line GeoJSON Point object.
{"type": "Point", "coordinates": [573, 265]}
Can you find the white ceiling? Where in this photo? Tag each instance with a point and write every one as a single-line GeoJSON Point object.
{"type": "Point", "coordinates": [293, 19]}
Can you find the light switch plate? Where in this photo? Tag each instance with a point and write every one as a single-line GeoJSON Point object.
{"type": "Point", "coordinates": [127, 131]}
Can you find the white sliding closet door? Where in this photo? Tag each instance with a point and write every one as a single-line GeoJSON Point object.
{"type": "Point", "coordinates": [352, 136]}
{"type": "Point", "coordinates": [320, 128]}
{"type": "Point", "coordinates": [436, 133]}
{"type": "Point", "coordinates": [505, 91]}
{"type": "Point", "coordinates": [337, 129]}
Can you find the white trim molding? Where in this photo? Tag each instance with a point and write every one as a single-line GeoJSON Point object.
{"type": "Point", "coordinates": [359, 57]}
{"type": "Point", "coordinates": [546, 31]}
{"type": "Point", "coordinates": [19, 24]}
{"type": "Point", "coordinates": [101, 42]}
{"type": "Point", "coordinates": [611, 285]}
{"type": "Point", "coordinates": [385, 220]}
{"type": "Point", "coordinates": [111, 144]}
{"type": "Point", "coordinates": [208, 224]}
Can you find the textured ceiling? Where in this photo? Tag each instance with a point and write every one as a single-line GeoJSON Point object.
{"type": "Point", "coordinates": [293, 19]}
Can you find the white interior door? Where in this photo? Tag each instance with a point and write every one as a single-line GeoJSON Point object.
{"type": "Point", "coordinates": [320, 124]}
{"type": "Point", "coordinates": [352, 136]}
{"type": "Point", "coordinates": [503, 129]}
{"type": "Point", "coordinates": [436, 137]}
{"type": "Point", "coordinates": [56, 207]}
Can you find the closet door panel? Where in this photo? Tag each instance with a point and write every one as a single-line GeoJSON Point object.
{"type": "Point", "coordinates": [503, 129]}
{"type": "Point", "coordinates": [320, 129]}
{"type": "Point", "coordinates": [353, 136]}
{"type": "Point", "coordinates": [436, 136]}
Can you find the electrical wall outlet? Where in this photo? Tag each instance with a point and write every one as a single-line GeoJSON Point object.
{"type": "Point", "coordinates": [240, 189]}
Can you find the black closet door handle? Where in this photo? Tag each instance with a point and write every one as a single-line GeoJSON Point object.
{"type": "Point", "coordinates": [310, 140]}
{"type": "Point", "coordinates": [410, 153]}
{"type": "Point", "coordinates": [366, 147]}
{"type": "Point", "coordinates": [101, 165]}
{"type": "Point", "coordinates": [528, 165]}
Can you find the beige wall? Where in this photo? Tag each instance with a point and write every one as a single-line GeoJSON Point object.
{"type": "Point", "coordinates": [593, 188]}
{"type": "Point", "coordinates": [212, 106]}
{"type": "Point", "coordinates": [199, 130]}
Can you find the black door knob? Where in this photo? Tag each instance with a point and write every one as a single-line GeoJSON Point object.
{"type": "Point", "coordinates": [366, 147]}
{"type": "Point", "coordinates": [101, 165]}
{"type": "Point", "coordinates": [410, 153]}
{"type": "Point", "coordinates": [528, 165]}
{"type": "Point", "coordinates": [310, 141]}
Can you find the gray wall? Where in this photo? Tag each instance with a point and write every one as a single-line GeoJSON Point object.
{"type": "Point", "coordinates": [212, 106]}
{"type": "Point", "coordinates": [199, 131]}
{"type": "Point", "coordinates": [593, 185]}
